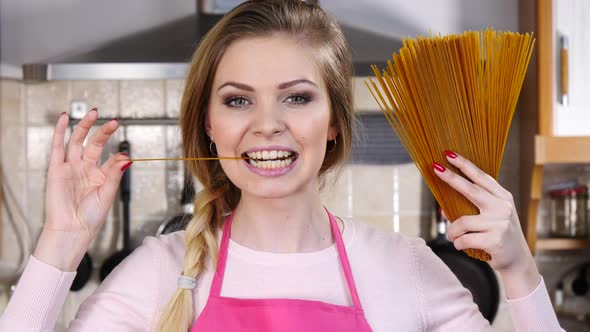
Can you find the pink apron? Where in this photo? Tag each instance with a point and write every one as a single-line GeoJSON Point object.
{"type": "Point", "coordinates": [281, 315]}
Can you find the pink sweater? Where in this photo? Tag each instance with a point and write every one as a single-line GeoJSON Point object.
{"type": "Point", "coordinates": [402, 286]}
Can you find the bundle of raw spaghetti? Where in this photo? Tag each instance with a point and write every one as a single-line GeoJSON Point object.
{"type": "Point", "coordinates": [458, 93]}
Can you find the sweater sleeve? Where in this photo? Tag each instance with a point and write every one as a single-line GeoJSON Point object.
{"type": "Point", "coordinates": [125, 301]}
{"type": "Point", "coordinates": [449, 306]}
{"type": "Point", "coordinates": [534, 312]}
{"type": "Point", "coordinates": [446, 304]}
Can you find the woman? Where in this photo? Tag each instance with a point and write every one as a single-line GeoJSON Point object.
{"type": "Point", "coordinates": [271, 82]}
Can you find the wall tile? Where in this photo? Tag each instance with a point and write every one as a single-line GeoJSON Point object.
{"type": "Point", "coordinates": [147, 142]}
{"type": "Point", "coordinates": [13, 147]}
{"type": "Point", "coordinates": [45, 101]}
{"type": "Point", "coordinates": [337, 192]}
{"type": "Point", "coordinates": [11, 97]}
{"type": "Point", "coordinates": [38, 147]}
{"type": "Point", "coordinates": [173, 146]}
{"type": "Point", "coordinates": [418, 226]}
{"type": "Point", "coordinates": [15, 194]}
{"type": "Point", "coordinates": [372, 187]}
{"type": "Point", "coordinates": [142, 99]}
{"type": "Point", "coordinates": [363, 100]}
{"type": "Point", "coordinates": [174, 187]}
{"type": "Point", "coordinates": [35, 211]}
{"type": "Point", "coordinates": [174, 89]}
{"type": "Point", "coordinates": [415, 197]}
{"type": "Point", "coordinates": [384, 223]}
{"type": "Point", "coordinates": [148, 200]}
{"type": "Point", "coordinates": [101, 94]}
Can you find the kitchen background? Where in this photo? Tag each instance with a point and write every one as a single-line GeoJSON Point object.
{"type": "Point", "coordinates": [389, 194]}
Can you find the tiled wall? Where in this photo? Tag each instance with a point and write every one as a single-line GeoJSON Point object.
{"type": "Point", "coordinates": [390, 197]}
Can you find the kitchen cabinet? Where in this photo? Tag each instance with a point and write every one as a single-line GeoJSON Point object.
{"type": "Point", "coordinates": [571, 46]}
{"type": "Point", "coordinates": [562, 133]}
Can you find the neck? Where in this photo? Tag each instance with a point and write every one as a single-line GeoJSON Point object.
{"type": "Point", "coordinates": [296, 223]}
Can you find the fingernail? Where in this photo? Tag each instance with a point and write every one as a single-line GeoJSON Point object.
{"type": "Point", "coordinates": [125, 154]}
{"type": "Point", "coordinates": [63, 113]}
{"type": "Point", "coordinates": [126, 166]}
{"type": "Point", "coordinates": [94, 109]}
{"type": "Point", "coordinates": [438, 167]}
{"type": "Point", "coordinates": [115, 119]}
{"type": "Point", "coordinates": [451, 154]}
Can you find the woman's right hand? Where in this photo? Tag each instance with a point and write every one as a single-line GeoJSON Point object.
{"type": "Point", "coordinates": [79, 191]}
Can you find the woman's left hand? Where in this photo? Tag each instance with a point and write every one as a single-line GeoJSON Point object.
{"type": "Point", "coordinates": [496, 229]}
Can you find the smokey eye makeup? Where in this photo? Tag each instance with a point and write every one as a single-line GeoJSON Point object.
{"type": "Point", "coordinates": [299, 98]}
{"type": "Point", "coordinates": [236, 101]}
{"type": "Point", "coordinates": [292, 99]}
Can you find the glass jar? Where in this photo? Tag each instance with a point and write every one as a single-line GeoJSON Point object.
{"type": "Point", "coordinates": [569, 212]}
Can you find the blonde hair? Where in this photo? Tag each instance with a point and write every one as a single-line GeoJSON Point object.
{"type": "Point", "coordinates": [303, 20]}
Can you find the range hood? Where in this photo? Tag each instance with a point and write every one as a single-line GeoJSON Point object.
{"type": "Point", "coordinates": [164, 52]}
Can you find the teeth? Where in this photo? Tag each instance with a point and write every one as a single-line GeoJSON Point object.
{"type": "Point", "coordinates": [269, 154]}
{"type": "Point", "coordinates": [270, 164]}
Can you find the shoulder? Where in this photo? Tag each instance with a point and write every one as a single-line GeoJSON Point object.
{"type": "Point", "coordinates": [387, 270]}
{"type": "Point", "coordinates": [369, 240]}
{"type": "Point", "coordinates": [167, 251]}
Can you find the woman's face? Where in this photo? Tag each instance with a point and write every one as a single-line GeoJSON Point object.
{"type": "Point", "coordinates": [269, 102]}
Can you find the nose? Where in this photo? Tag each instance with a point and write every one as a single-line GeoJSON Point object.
{"type": "Point", "coordinates": [268, 120]}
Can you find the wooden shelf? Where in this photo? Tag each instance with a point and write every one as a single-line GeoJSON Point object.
{"type": "Point", "coordinates": [551, 149]}
{"type": "Point", "coordinates": [562, 244]}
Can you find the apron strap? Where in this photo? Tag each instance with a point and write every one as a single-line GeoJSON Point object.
{"type": "Point", "coordinates": [344, 262]}
{"type": "Point", "coordinates": [223, 249]}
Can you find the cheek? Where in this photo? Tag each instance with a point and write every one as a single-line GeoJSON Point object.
{"type": "Point", "coordinates": [226, 131]}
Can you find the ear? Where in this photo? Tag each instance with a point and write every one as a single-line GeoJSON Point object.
{"type": "Point", "coordinates": [333, 131]}
{"type": "Point", "coordinates": [208, 127]}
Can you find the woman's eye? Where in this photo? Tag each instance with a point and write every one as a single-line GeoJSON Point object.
{"type": "Point", "coordinates": [299, 99]}
{"type": "Point", "coordinates": [236, 101]}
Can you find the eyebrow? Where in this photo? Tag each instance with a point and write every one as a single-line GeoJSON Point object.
{"type": "Point", "coordinates": [282, 86]}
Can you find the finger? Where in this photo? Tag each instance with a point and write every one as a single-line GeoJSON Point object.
{"type": "Point", "coordinates": [79, 134]}
{"type": "Point", "coordinates": [468, 224]}
{"type": "Point", "coordinates": [108, 191]}
{"type": "Point", "coordinates": [473, 241]}
{"type": "Point", "coordinates": [95, 145]}
{"type": "Point", "coordinates": [116, 158]}
{"type": "Point", "coordinates": [57, 154]}
{"type": "Point", "coordinates": [478, 176]}
{"type": "Point", "coordinates": [473, 192]}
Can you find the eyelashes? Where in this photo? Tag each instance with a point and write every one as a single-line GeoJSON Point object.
{"type": "Point", "coordinates": [295, 99]}
{"type": "Point", "coordinates": [236, 101]}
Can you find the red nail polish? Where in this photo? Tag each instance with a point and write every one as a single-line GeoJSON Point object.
{"type": "Point", "coordinates": [94, 110]}
{"type": "Point", "coordinates": [126, 166]}
{"type": "Point", "coordinates": [115, 119]}
{"type": "Point", "coordinates": [451, 154]}
{"type": "Point", "coordinates": [125, 154]}
{"type": "Point", "coordinates": [63, 113]}
{"type": "Point", "coordinates": [438, 167]}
